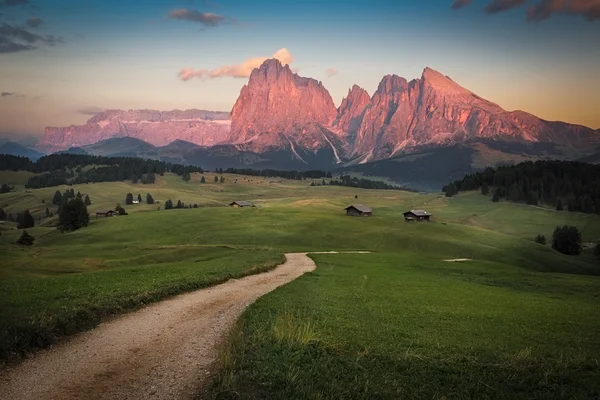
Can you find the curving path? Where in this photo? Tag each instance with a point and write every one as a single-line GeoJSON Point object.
{"type": "Point", "coordinates": [163, 351]}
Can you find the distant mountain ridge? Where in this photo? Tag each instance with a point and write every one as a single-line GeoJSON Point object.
{"type": "Point", "coordinates": [17, 149]}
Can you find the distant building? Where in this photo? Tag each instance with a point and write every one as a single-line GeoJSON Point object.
{"type": "Point", "coordinates": [359, 210]}
{"type": "Point", "coordinates": [135, 202]}
{"type": "Point", "coordinates": [241, 203]}
{"type": "Point", "coordinates": [105, 213]}
{"type": "Point", "coordinates": [417, 215]}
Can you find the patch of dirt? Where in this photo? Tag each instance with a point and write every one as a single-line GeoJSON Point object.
{"type": "Point", "coordinates": [459, 260]}
{"type": "Point", "coordinates": [164, 351]}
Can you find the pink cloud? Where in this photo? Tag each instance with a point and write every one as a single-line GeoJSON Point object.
{"type": "Point", "coordinates": [331, 72]}
{"type": "Point", "coordinates": [242, 70]}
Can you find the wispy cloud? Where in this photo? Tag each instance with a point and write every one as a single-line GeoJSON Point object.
{"type": "Point", "coordinates": [497, 6]}
{"type": "Point", "coordinates": [331, 72]}
{"type": "Point", "coordinates": [460, 4]}
{"type": "Point", "coordinates": [242, 70]}
{"type": "Point", "coordinates": [34, 22]}
{"type": "Point", "coordinates": [13, 3]}
{"type": "Point", "coordinates": [17, 38]}
{"type": "Point", "coordinates": [207, 19]}
{"type": "Point", "coordinates": [91, 110]}
{"type": "Point", "coordinates": [541, 10]}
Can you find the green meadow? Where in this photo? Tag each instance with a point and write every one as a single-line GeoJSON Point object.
{"type": "Point", "coordinates": [517, 321]}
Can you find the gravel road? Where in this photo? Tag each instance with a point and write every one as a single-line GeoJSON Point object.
{"type": "Point", "coordinates": [163, 351]}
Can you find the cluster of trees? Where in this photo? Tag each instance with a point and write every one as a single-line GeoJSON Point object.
{"type": "Point", "coordinates": [272, 173]}
{"type": "Point", "coordinates": [347, 180]}
{"type": "Point", "coordinates": [169, 205]}
{"type": "Point", "coordinates": [129, 198]}
{"type": "Point", "coordinates": [62, 198]}
{"type": "Point", "coordinates": [60, 169]}
{"type": "Point", "coordinates": [563, 184]}
{"type": "Point", "coordinates": [6, 189]}
{"type": "Point", "coordinates": [73, 215]}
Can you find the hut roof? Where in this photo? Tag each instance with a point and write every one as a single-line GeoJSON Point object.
{"type": "Point", "coordinates": [360, 207]}
{"type": "Point", "coordinates": [242, 203]}
{"type": "Point", "coordinates": [418, 213]}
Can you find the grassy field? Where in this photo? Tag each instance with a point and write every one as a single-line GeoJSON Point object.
{"type": "Point", "coordinates": [518, 320]}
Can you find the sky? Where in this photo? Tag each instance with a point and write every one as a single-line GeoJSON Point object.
{"type": "Point", "coordinates": [61, 61]}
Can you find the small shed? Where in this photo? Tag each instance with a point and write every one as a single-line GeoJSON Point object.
{"type": "Point", "coordinates": [358, 210]}
{"type": "Point", "coordinates": [241, 203]}
{"type": "Point", "coordinates": [105, 213]}
{"type": "Point", "coordinates": [417, 215]}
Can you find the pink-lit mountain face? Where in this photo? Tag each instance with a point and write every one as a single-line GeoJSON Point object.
{"type": "Point", "coordinates": [280, 111]}
{"type": "Point", "coordinates": [158, 128]}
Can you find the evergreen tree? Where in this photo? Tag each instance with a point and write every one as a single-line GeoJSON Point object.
{"type": "Point", "coordinates": [168, 204]}
{"type": "Point", "coordinates": [567, 240]}
{"type": "Point", "coordinates": [187, 177]}
{"type": "Point", "coordinates": [72, 193]}
{"type": "Point", "coordinates": [195, 205]}
{"type": "Point", "coordinates": [4, 188]}
{"type": "Point", "coordinates": [87, 200]}
{"type": "Point", "coordinates": [216, 180]}
{"type": "Point", "coordinates": [57, 199]}
{"type": "Point", "coordinates": [222, 180]}
{"type": "Point", "coordinates": [79, 196]}
{"type": "Point", "coordinates": [139, 198]}
{"type": "Point", "coordinates": [25, 220]}
{"type": "Point", "coordinates": [559, 205]}
{"type": "Point", "coordinates": [26, 239]}
{"type": "Point", "coordinates": [497, 195]}
{"type": "Point", "coordinates": [47, 213]}
{"type": "Point", "coordinates": [202, 180]}
{"type": "Point", "coordinates": [120, 210]}
{"type": "Point", "coordinates": [323, 182]}
{"type": "Point", "coordinates": [451, 190]}
{"type": "Point", "coordinates": [179, 204]}
{"type": "Point", "coordinates": [10, 218]}
{"type": "Point", "coordinates": [129, 199]}
{"type": "Point", "coordinates": [2, 215]}
{"type": "Point", "coordinates": [73, 215]}
{"type": "Point", "coordinates": [485, 189]}
{"type": "Point", "coordinates": [149, 199]}
{"type": "Point", "coordinates": [328, 175]}
{"type": "Point", "coordinates": [541, 239]}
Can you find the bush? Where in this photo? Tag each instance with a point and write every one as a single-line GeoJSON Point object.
{"type": "Point", "coordinates": [26, 239]}
{"type": "Point", "coordinates": [73, 215]}
{"type": "Point", "coordinates": [541, 239]}
{"type": "Point", "coordinates": [567, 240]}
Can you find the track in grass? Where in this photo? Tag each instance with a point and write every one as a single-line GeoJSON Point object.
{"type": "Point", "coordinates": [163, 351]}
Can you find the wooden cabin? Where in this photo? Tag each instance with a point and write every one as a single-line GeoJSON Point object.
{"type": "Point", "coordinates": [417, 215]}
{"type": "Point", "coordinates": [241, 203]}
{"type": "Point", "coordinates": [358, 210]}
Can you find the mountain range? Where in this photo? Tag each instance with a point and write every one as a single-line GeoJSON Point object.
{"type": "Point", "coordinates": [283, 120]}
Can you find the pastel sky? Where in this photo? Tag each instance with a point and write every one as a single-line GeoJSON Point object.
{"type": "Point", "coordinates": [63, 60]}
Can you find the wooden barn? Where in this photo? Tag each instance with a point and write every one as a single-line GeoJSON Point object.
{"type": "Point", "coordinates": [358, 210]}
{"type": "Point", "coordinates": [417, 215]}
{"type": "Point", "coordinates": [106, 213]}
{"type": "Point", "coordinates": [241, 203]}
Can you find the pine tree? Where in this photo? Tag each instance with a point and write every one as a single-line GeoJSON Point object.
{"type": "Point", "coordinates": [79, 196]}
{"type": "Point", "coordinates": [47, 213]}
{"type": "Point", "coordinates": [129, 199]}
{"type": "Point", "coordinates": [216, 180]}
{"type": "Point", "coordinates": [149, 199]}
{"type": "Point", "coordinates": [25, 220]}
{"type": "Point", "coordinates": [179, 204]}
{"type": "Point", "coordinates": [187, 177]}
{"type": "Point", "coordinates": [73, 215]}
{"type": "Point", "coordinates": [168, 204]}
{"type": "Point", "coordinates": [497, 195]}
{"type": "Point", "coordinates": [567, 240]}
{"type": "Point", "coordinates": [87, 201]}
{"type": "Point", "coordinates": [485, 189]}
{"type": "Point", "coordinates": [120, 210]}
{"type": "Point", "coordinates": [26, 239]}
{"type": "Point", "coordinates": [222, 180]}
{"type": "Point", "coordinates": [202, 180]}
{"type": "Point", "coordinates": [2, 215]}
{"type": "Point", "coordinates": [139, 198]}
{"type": "Point", "coordinates": [57, 199]}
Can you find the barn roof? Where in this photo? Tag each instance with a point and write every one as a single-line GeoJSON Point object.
{"type": "Point", "coordinates": [418, 213]}
{"type": "Point", "coordinates": [242, 203]}
{"type": "Point", "coordinates": [360, 207]}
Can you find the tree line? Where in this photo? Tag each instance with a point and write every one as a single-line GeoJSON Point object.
{"type": "Point", "coordinates": [347, 180]}
{"type": "Point", "coordinates": [569, 185]}
{"type": "Point", "coordinates": [273, 173]}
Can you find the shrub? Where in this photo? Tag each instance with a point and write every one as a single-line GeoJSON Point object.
{"type": "Point", "coordinates": [541, 239]}
{"type": "Point", "coordinates": [26, 239]}
{"type": "Point", "coordinates": [567, 240]}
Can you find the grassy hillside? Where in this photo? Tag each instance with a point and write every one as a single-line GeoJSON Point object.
{"type": "Point", "coordinates": [383, 324]}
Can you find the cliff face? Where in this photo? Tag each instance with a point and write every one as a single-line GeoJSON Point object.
{"type": "Point", "coordinates": [279, 109]}
{"type": "Point", "coordinates": [205, 128]}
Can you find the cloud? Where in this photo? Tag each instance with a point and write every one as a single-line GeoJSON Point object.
{"type": "Point", "coordinates": [34, 22]}
{"type": "Point", "coordinates": [6, 94]}
{"type": "Point", "coordinates": [13, 3]}
{"type": "Point", "coordinates": [242, 70]}
{"type": "Point", "coordinates": [460, 4]}
{"type": "Point", "coordinates": [17, 38]}
{"type": "Point", "coordinates": [497, 6]}
{"type": "Point", "coordinates": [331, 72]}
{"type": "Point", "coordinates": [207, 19]}
{"type": "Point", "coordinates": [92, 110]}
{"type": "Point", "coordinates": [588, 9]}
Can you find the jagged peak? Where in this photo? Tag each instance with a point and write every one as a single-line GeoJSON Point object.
{"type": "Point", "coordinates": [391, 83]}
{"type": "Point", "coordinates": [442, 82]}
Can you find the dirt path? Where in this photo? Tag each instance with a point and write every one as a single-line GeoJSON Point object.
{"type": "Point", "coordinates": [163, 351]}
